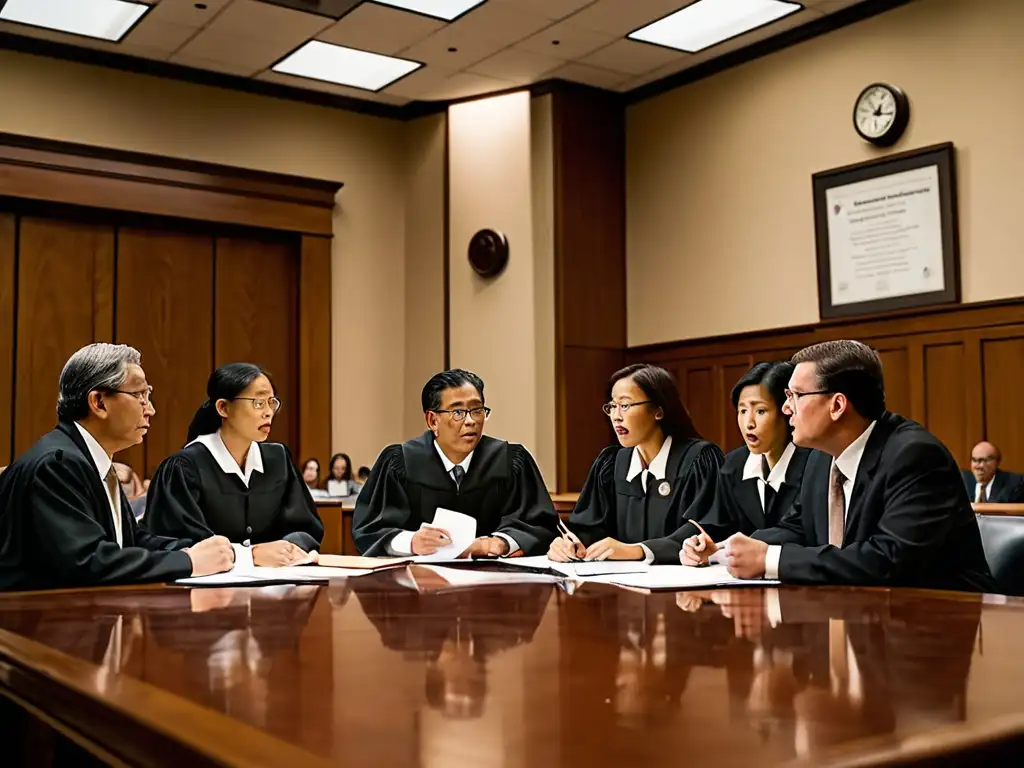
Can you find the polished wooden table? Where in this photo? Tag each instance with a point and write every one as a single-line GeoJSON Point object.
{"type": "Point", "coordinates": [371, 672]}
{"type": "Point", "coordinates": [336, 515]}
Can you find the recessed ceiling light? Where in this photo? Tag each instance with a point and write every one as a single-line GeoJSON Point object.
{"type": "Point", "coordinates": [707, 22]}
{"type": "Point", "coordinates": [103, 19]}
{"type": "Point", "coordinates": [318, 60]}
{"type": "Point", "coordinates": [439, 9]}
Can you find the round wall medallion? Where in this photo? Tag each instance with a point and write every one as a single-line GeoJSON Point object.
{"type": "Point", "coordinates": [488, 252]}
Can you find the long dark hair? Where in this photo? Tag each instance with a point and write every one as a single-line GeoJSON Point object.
{"type": "Point", "coordinates": [348, 467]}
{"type": "Point", "coordinates": [774, 377]}
{"type": "Point", "coordinates": [660, 388]}
{"type": "Point", "coordinates": [225, 383]}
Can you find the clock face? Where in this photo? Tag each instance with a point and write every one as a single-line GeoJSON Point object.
{"type": "Point", "coordinates": [875, 112]}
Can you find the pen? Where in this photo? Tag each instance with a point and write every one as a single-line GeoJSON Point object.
{"type": "Point", "coordinates": [700, 528]}
{"type": "Point", "coordinates": [568, 536]}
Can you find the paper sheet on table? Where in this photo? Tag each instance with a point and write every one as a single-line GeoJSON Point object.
{"type": "Point", "coordinates": [258, 576]}
{"type": "Point", "coordinates": [583, 571]}
{"type": "Point", "coordinates": [461, 528]}
{"type": "Point", "coordinates": [682, 577]}
{"type": "Point", "coordinates": [354, 562]}
{"type": "Point", "coordinates": [459, 578]}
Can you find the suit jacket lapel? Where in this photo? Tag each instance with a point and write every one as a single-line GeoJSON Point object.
{"type": "Point", "coordinates": [866, 469]}
{"type": "Point", "coordinates": [814, 497]}
{"type": "Point", "coordinates": [998, 486]}
{"type": "Point", "coordinates": [96, 485]}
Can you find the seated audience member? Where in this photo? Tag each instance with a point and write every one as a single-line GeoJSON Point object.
{"type": "Point", "coordinates": [340, 481]}
{"type": "Point", "coordinates": [882, 501]}
{"type": "Point", "coordinates": [64, 520]}
{"type": "Point", "coordinates": [640, 494]}
{"type": "Point", "coordinates": [986, 483]}
{"type": "Point", "coordinates": [453, 465]}
{"type": "Point", "coordinates": [130, 482]}
{"type": "Point", "coordinates": [228, 480]}
{"type": "Point", "coordinates": [760, 480]}
{"type": "Point", "coordinates": [363, 475]}
{"type": "Point", "coordinates": [311, 477]}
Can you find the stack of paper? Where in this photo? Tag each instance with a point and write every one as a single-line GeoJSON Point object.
{"type": "Point", "coordinates": [461, 528]}
{"type": "Point", "coordinates": [678, 577]}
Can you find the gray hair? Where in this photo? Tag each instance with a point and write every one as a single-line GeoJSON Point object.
{"type": "Point", "coordinates": [94, 367]}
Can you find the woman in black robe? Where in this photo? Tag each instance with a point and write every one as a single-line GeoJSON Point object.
{"type": "Point", "coordinates": [640, 494]}
{"type": "Point", "coordinates": [760, 480]}
{"type": "Point", "coordinates": [229, 481]}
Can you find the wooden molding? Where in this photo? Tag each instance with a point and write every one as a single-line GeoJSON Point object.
{"type": "Point", "coordinates": [75, 174]}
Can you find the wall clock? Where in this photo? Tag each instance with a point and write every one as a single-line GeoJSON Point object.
{"type": "Point", "coordinates": [881, 113]}
{"type": "Point", "coordinates": [488, 252]}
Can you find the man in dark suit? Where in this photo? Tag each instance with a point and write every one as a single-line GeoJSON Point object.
{"type": "Point", "coordinates": [64, 519]}
{"type": "Point", "coordinates": [986, 483]}
{"type": "Point", "coordinates": [882, 502]}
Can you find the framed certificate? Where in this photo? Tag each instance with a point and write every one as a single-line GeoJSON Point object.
{"type": "Point", "coordinates": [886, 234]}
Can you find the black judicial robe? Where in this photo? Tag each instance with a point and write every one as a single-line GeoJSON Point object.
{"type": "Point", "coordinates": [56, 529]}
{"type": "Point", "coordinates": [503, 490]}
{"type": "Point", "coordinates": [737, 507]}
{"type": "Point", "coordinates": [191, 496]}
{"type": "Point", "coordinates": [611, 506]}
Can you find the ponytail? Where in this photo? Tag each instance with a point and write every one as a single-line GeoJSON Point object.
{"type": "Point", "coordinates": [205, 422]}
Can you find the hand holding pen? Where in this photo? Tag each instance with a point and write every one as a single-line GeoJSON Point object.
{"type": "Point", "coordinates": [567, 547]}
{"type": "Point", "coordinates": [697, 549]}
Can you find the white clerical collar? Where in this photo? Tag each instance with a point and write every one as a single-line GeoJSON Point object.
{"type": "Point", "coordinates": [215, 445]}
{"type": "Point", "coordinates": [849, 460]}
{"type": "Point", "coordinates": [752, 469]}
{"type": "Point", "coordinates": [656, 468]}
{"type": "Point", "coordinates": [99, 456]}
{"type": "Point", "coordinates": [449, 465]}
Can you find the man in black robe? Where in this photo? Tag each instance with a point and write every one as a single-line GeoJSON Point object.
{"type": "Point", "coordinates": [64, 520]}
{"type": "Point", "coordinates": [454, 466]}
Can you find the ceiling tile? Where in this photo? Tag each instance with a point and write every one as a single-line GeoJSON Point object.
{"type": "Point", "coordinates": [163, 36]}
{"type": "Point", "coordinates": [435, 50]}
{"type": "Point", "coordinates": [830, 6]}
{"type": "Point", "coordinates": [379, 29]}
{"type": "Point", "coordinates": [573, 42]}
{"type": "Point", "coordinates": [261, 21]}
{"type": "Point", "coordinates": [504, 24]}
{"type": "Point", "coordinates": [185, 12]}
{"type": "Point", "coordinates": [588, 75]}
{"type": "Point", "coordinates": [240, 52]}
{"type": "Point", "coordinates": [423, 80]}
{"type": "Point", "coordinates": [552, 9]}
{"type": "Point", "coordinates": [620, 17]}
{"type": "Point", "coordinates": [338, 90]}
{"type": "Point", "coordinates": [631, 57]}
{"type": "Point", "coordinates": [463, 85]}
{"type": "Point", "coordinates": [518, 66]}
{"type": "Point", "coordinates": [224, 67]}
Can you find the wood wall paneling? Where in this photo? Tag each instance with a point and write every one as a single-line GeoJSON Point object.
{"type": "Point", "coordinates": [1003, 362]}
{"type": "Point", "coordinates": [314, 406]}
{"type": "Point", "coordinates": [256, 317]}
{"type": "Point", "coordinates": [59, 312]}
{"type": "Point", "coordinates": [945, 403]}
{"type": "Point", "coordinates": [587, 374]}
{"type": "Point", "coordinates": [703, 400]}
{"type": "Point", "coordinates": [8, 292]}
{"type": "Point", "coordinates": [165, 310]}
{"type": "Point", "coordinates": [896, 370]}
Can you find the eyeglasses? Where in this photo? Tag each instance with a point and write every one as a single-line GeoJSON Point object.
{"type": "Point", "coordinates": [144, 396]}
{"type": "Point", "coordinates": [982, 459]}
{"type": "Point", "coordinates": [610, 408]}
{"type": "Point", "coordinates": [460, 414]}
{"type": "Point", "coordinates": [792, 396]}
{"type": "Point", "coordinates": [259, 403]}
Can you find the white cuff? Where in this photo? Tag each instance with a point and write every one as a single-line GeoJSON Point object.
{"type": "Point", "coordinates": [401, 543]}
{"type": "Point", "coordinates": [513, 545]}
{"type": "Point", "coordinates": [771, 561]}
{"type": "Point", "coordinates": [243, 557]}
{"type": "Point", "coordinates": [773, 607]}
{"type": "Point", "coordinates": [648, 554]}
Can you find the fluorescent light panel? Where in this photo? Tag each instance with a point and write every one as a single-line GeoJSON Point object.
{"type": "Point", "coordinates": [707, 22]}
{"type": "Point", "coordinates": [318, 60]}
{"type": "Point", "coordinates": [439, 9]}
{"type": "Point", "coordinates": [103, 19]}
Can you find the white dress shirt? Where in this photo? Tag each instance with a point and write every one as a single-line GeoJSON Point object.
{"type": "Point", "coordinates": [214, 443]}
{"type": "Point", "coordinates": [656, 469]}
{"type": "Point", "coordinates": [401, 543]}
{"type": "Point", "coordinates": [848, 462]}
{"type": "Point", "coordinates": [103, 463]}
{"type": "Point", "coordinates": [752, 470]}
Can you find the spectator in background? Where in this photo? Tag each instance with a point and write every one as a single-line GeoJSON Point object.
{"type": "Point", "coordinates": [986, 483]}
{"type": "Point", "coordinates": [134, 488]}
{"type": "Point", "coordinates": [363, 475]}
{"type": "Point", "coordinates": [311, 477]}
{"type": "Point", "coordinates": [340, 481]}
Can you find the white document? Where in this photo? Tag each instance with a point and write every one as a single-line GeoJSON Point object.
{"type": "Point", "coordinates": [254, 576]}
{"type": "Point", "coordinates": [461, 528]}
{"type": "Point", "coordinates": [606, 567]}
{"type": "Point", "coordinates": [468, 577]}
{"type": "Point", "coordinates": [683, 577]}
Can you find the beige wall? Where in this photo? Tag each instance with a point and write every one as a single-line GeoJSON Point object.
{"type": "Point", "coordinates": [91, 105]}
{"type": "Point", "coordinates": [424, 261]}
{"type": "Point", "coordinates": [720, 228]}
{"type": "Point", "coordinates": [498, 327]}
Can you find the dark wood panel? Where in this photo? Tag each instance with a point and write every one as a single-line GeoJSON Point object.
{"type": "Point", "coordinates": [315, 393]}
{"type": "Point", "coordinates": [8, 293]}
{"type": "Point", "coordinates": [1003, 366]}
{"type": "Point", "coordinates": [58, 266]}
{"type": "Point", "coordinates": [703, 401]}
{"type": "Point", "coordinates": [588, 430]}
{"type": "Point", "coordinates": [256, 317]}
{"type": "Point", "coordinates": [165, 310]}
{"type": "Point", "coordinates": [944, 398]}
{"type": "Point", "coordinates": [896, 370]}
